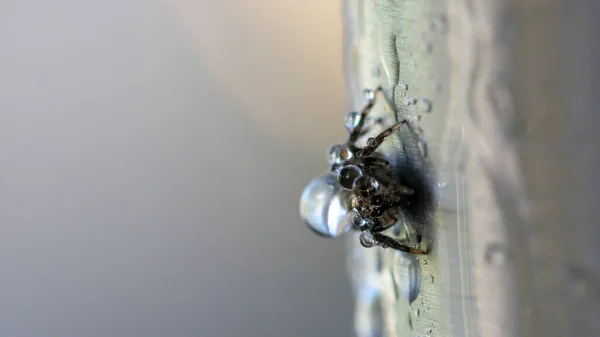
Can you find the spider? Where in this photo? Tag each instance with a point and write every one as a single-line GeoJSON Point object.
{"type": "Point", "coordinates": [360, 191]}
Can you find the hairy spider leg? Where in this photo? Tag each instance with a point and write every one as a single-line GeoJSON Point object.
{"type": "Point", "coordinates": [357, 131]}
{"type": "Point", "coordinates": [374, 142]}
{"type": "Point", "coordinates": [387, 242]}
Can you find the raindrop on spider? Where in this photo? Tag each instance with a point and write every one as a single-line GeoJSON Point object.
{"type": "Point", "coordinates": [367, 240]}
{"type": "Point", "coordinates": [351, 120]}
{"type": "Point", "coordinates": [348, 174]}
{"type": "Point", "coordinates": [368, 95]}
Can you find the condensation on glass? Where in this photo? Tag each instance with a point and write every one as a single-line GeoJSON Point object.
{"type": "Point", "coordinates": [502, 100]}
{"type": "Point", "coordinates": [407, 47]}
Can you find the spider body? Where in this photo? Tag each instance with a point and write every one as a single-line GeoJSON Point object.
{"type": "Point", "coordinates": [360, 191]}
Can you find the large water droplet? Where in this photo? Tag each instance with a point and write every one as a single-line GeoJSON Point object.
{"type": "Point", "coordinates": [351, 120]}
{"type": "Point", "coordinates": [323, 206]}
{"type": "Point", "coordinates": [431, 279]}
{"type": "Point", "coordinates": [404, 86]}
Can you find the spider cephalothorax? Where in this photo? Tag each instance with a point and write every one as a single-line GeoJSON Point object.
{"type": "Point", "coordinates": [359, 192]}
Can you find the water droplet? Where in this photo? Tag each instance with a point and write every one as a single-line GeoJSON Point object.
{"type": "Point", "coordinates": [368, 95]}
{"type": "Point", "coordinates": [418, 312]}
{"type": "Point", "coordinates": [439, 24]}
{"type": "Point", "coordinates": [333, 154]}
{"type": "Point", "coordinates": [348, 174]}
{"type": "Point", "coordinates": [367, 184]}
{"type": "Point", "coordinates": [410, 100]}
{"type": "Point", "coordinates": [351, 120]}
{"type": "Point", "coordinates": [430, 330]}
{"type": "Point", "coordinates": [322, 208]}
{"type": "Point", "coordinates": [431, 279]}
{"type": "Point", "coordinates": [496, 254]}
{"type": "Point", "coordinates": [428, 47]}
{"type": "Point", "coordinates": [357, 221]}
{"type": "Point", "coordinates": [423, 148]}
{"type": "Point", "coordinates": [424, 262]}
{"type": "Point", "coordinates": [421, 301]}
{"type": "Point", "coordinates": [367, 240]}
{"type": "Point", "coordinates": [404, 86]}
{"type": "Point", "coordinates": [425, 105]}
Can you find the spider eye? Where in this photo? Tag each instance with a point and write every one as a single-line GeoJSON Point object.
{"type": "Point", "coordinates": [348, 174]}
{"type": "Point", "coordinates": [324, 206]}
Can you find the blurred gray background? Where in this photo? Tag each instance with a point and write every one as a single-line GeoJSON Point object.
{"type": "Point", "coordinates": [152, 157]}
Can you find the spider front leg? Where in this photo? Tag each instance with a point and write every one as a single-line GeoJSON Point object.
{"type": "Point", "coordinates": [387, 242]}
{"type": "Point", "coordinates": [369, 239]}
{"type": "Point", "coordinates": [358, 130]}
{"type": "Point", "coordinates": [374, 142]}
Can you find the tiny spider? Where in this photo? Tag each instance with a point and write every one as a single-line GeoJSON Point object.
{"type": "Point", "coordinates": [359, 192]}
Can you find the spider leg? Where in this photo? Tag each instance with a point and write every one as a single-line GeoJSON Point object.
{"type": "Point", "coordinates": [404, 190]}
{"type": "Point", "coordinates": [387, 242]}
{"type": "Point", "coordinates": [358, 130]}
{"type": "Point", "coordinates": [370, 123]}
{"type": "Point", "coordinates": [374, 143]}
{"type": "Point", "coordinates": [375, 162]}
